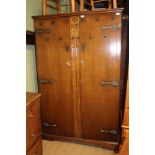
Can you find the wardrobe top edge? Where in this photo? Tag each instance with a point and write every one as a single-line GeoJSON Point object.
{"type": "Point", "coordinates": [80, 13]}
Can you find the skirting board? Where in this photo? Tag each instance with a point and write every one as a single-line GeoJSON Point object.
{"type": "Point", "coordinates": [104, 144]}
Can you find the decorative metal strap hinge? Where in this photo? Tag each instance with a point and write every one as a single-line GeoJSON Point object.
{"type": "Point", "coordinates": [112, 83]}
{"type": "Point", "coordinates": [42, 81]}
{"type": "Point", "coordinates": [39, 31]}
{"type": "Point", "coordinates": [49, 125]}
{"type": "Point", "coordinates": [113, 27]}
{"type": "Point", "coordinates": [113, 132]}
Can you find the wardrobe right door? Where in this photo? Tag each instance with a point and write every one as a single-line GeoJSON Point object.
{"type": "Point", "coordinates": [99, 54]}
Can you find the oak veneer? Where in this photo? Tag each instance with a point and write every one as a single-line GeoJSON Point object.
{"type": "Point", "coordinates": [100, 60]}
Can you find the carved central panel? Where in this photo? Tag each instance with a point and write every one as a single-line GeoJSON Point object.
{"type": "Point", "coordinates": [74, 30]}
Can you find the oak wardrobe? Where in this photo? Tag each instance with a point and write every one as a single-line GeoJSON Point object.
{"type": "Point", "coordinates": [78, 66]}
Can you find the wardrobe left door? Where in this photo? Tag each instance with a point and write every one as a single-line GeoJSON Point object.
{"type": "Point", "coordinates": [53, 57]}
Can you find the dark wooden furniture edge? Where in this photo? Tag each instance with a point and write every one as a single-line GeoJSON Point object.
{"type": "Point", "coordinates": [81, 13]}
{"type": "Point", "coordinates": [34, 100]}
{"type": "Point", "coordinates": [30, 38]}
{"type": "Point", "coordinates": [27, 150]}
{"type": "Point", "coordinates": [104, 144]}
{"type": "Point", "coordinates": [125, 127]}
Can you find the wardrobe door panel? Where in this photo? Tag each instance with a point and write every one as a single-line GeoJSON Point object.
{"type": "Point", "coordinates": [54, 75]}
{"type": "Point", "coordinates": [99, 52]}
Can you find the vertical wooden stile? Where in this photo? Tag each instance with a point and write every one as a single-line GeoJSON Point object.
{"type": "Point", "coordinates": [114, 4]}
{"type": "Point", "coordinates": [73, 5]}
{"type": "Point", "coordinates": [74, 34]}
{"type": "Point", "coordinates": [110, 4]}
{"type": "Point", "coordinates": [81, 5]}
{"type": "Point", "coordinates": [77, 37]}
{"type": "Point", "coordinates": [92, 4]}
{"type": "Point", "coordinates": [44, 3]}
{"type": "Point", "coordinates": [58, 7]}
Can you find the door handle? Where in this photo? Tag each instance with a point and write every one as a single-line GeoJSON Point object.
{"type": "Point", "coordinates": [113, 83]}
{"type": "Point", "coordinates": [42, 81]}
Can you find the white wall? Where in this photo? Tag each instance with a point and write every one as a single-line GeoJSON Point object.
{"type": "Point", "coordinates": [31, 75]}
{"type": "Point", "coordinates": [33, 7]}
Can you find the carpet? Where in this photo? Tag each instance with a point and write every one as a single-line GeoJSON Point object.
{"type": "Point", "coordinates": [67, 148]}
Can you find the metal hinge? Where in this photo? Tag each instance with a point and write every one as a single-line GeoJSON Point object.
{"type": "Point", "coordinates": [113, 27]}
{"type": "Point", "coordinates": [38, 31]}
{"type": "Point", "coordinates": [112, 83]}
{"type": "Point", "coordinates": [49, 125]}
{"type": "Point", "coordinates": [113, 132]}
{"type": "Point", "coordinates": [42, 81]}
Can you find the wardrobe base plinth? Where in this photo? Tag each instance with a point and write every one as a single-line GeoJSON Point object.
{"type": "Point", "coordinates": [103, 144]}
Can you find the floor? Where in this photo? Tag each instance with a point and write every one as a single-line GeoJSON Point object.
{"type": "Point", "coordinates": [64, 148]}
